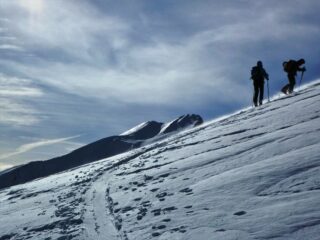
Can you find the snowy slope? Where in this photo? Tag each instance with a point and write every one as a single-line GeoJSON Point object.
{"type": "Point", "coordinates": [251, 175]}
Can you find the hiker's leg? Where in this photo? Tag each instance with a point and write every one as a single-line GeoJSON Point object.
{"type": "Point", "coordinates": [285, 89]}
{"type": "Point", "coordinates": [255, 94]}
{"type": "Point", "coordinates": [261, 93]}
{"type": "Point", "coordinates": [292, 82]}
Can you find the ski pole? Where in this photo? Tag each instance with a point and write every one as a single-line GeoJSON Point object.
{"type": "Point", "coordinates": [301, 78]}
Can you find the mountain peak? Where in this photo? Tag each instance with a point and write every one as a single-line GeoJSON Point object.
{"type": "Point", "coordinates": [144, 130]}
{"type": "Point", "coordinates": [150, 129]}
{"type": "Point", "coordinates": [183, 122]}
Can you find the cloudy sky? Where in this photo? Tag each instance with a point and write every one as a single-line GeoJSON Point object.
{"type": "Point", "coordinates": [75, 71]}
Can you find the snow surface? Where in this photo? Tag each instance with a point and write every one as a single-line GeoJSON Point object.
{"type": "Point", "coordinates": [251, 175]}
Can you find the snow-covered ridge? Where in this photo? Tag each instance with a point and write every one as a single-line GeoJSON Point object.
{"type": "Point", "coordinates": [183, 122]}
{"type": "Point", "coordinates": [152, 128]}
{"type": "Point", "coordinates": [252, 175]}
{"type": "Point", "coordinates": [134, 129]}
{"type": "Point", "coordinates": [103, 148]}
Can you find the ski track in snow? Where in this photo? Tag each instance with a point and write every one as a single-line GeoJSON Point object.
{"type": "Point", "coordinates": [250, 175]}
{"type": "Point", "coordinates": [99, 224]}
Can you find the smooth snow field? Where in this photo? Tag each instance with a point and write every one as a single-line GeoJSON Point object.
{"type": "Point", "coordinates": [254, 174]}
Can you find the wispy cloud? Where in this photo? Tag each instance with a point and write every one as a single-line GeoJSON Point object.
{"type": "Point", "coordinates": [103, 53]}
{"type": "Point", "coordinates": [30, 146]}
{"type": "Point", "coordinates": [10, 47]}
{"type": "Point", "coordinates": [13, 86]}
{"type": "Point", "coordinates": [4, 166]}
{"type": "Point", "coordinates": [14, 93]}
{"type": "Point", "coordinates": [70, 28]}
{"type": "Point", "coordinates": [13, 113]}
{"type": "Point", "coordinates": [96, 51]}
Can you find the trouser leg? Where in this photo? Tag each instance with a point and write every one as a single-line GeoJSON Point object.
{"type": "Point", "coordinates": [261, 90]}
{"type": "Point", "coordinates": [292, 82]}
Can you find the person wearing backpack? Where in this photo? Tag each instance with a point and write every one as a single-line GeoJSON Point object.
{"type": "Point", "coordinates": [258, 74]}
{"type": "Point", "coordinates": [291, 67]}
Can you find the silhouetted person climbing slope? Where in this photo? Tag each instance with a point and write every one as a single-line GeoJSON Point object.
{"type": "Point", "coordinates": [258, 74]}
{"type": "Point", "coordinates": [292, 67]}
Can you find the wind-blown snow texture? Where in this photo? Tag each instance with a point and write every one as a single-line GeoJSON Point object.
{"type": "Point", "coordinates": [251, 175]}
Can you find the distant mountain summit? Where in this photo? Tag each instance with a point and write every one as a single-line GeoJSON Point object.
{"type": "Point", "coordinates": [151, 129]}
{"type": "Point", "coordinates": [98, 150]}
{"type": "Point", "coordinates": [144, 130]}
{"type": "Point", "coordinates": [183, 122]}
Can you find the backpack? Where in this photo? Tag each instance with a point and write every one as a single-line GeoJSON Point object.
{"type": "Point", "coordinates": [256, 73]}
{"type": "Point", "coordinates": [289, 66]}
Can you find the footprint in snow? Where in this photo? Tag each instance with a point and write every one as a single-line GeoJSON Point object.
{"type": "Point", "coordinates": [155, 234]}
{"type": "Point", "coordinates": [154, 189]}
{"type": "Point", "coordinates": [159, 227]}
{"type": "Point", "coordinates": [240, 213]}
{"type": "Point", "coordinates": [166, 220]}
{"type": "Point", "coordinates": [187, 191]}
{"type": "Point", "coordinates": [181, 229]}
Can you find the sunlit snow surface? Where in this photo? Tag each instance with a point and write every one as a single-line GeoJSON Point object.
{"type": "Point", "coordinates": [252, 175]}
